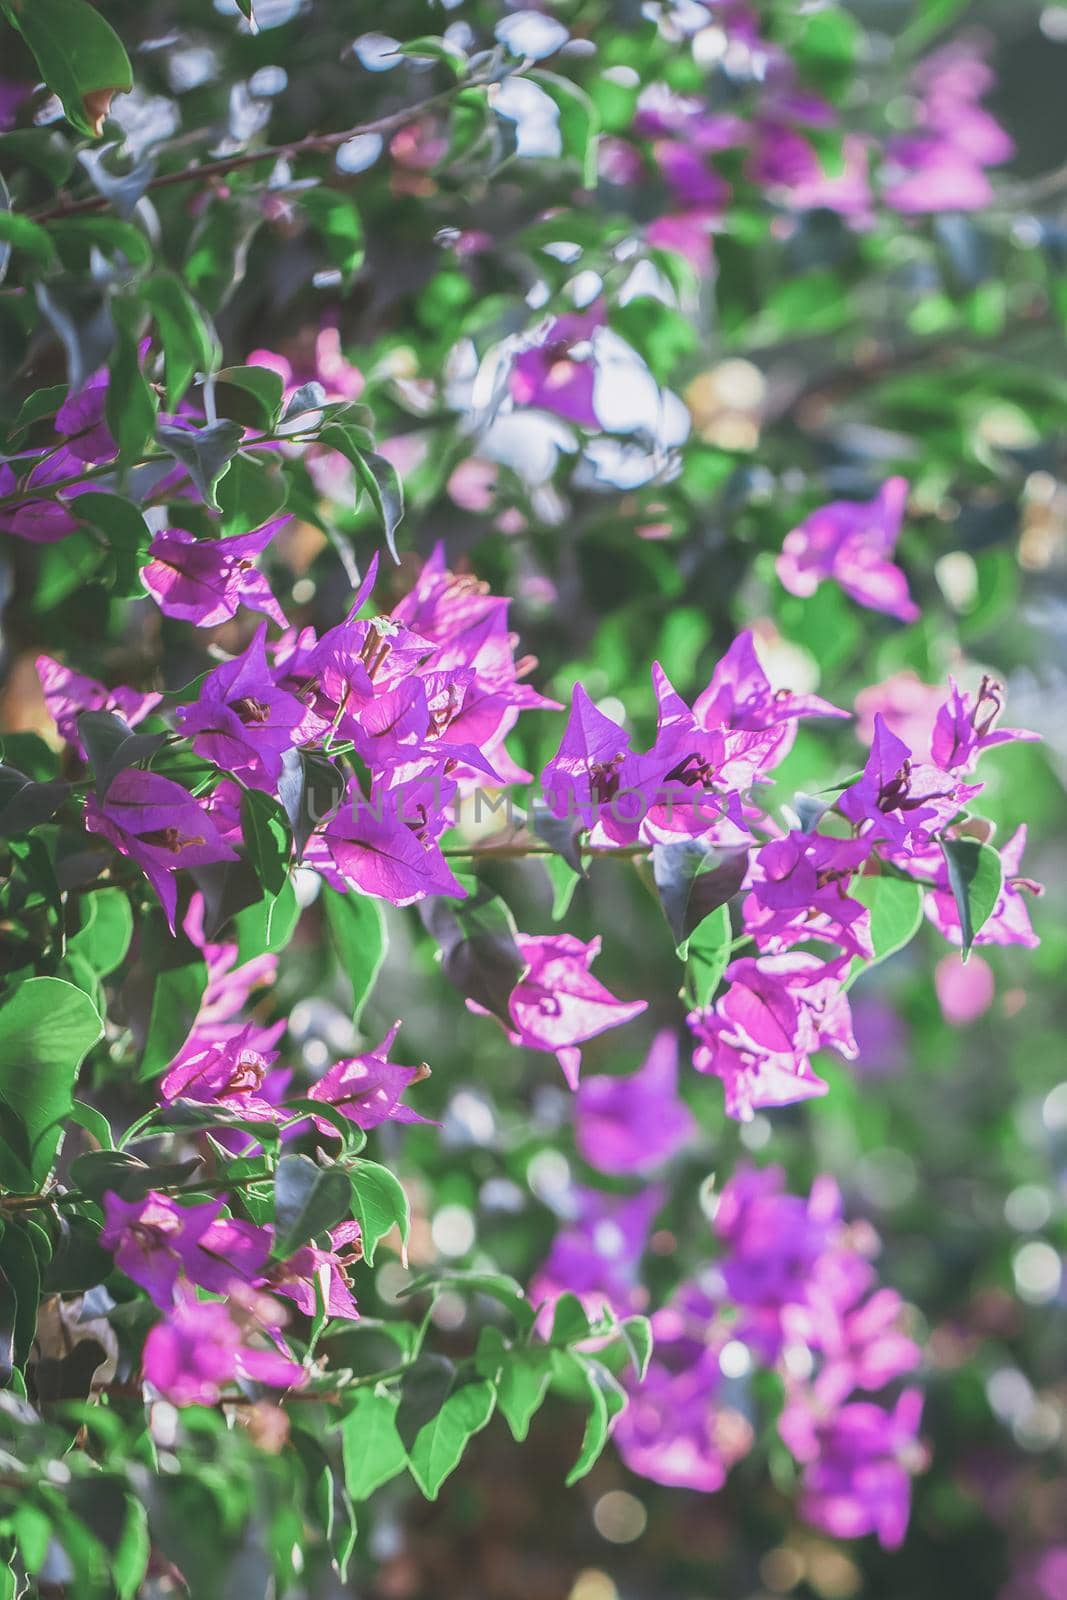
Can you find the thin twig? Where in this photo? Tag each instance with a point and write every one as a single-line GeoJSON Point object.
{"type": "Point", "coordinates": [199, 172]}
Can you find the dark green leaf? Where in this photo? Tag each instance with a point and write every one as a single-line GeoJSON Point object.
{"type": "Point", "coordinates": [111, 746]}
{"type": "Point", "coordinates": [308, 1199]}
{"type": "Point", "coordinates": [311, 788]}
{"type": "Point", "coordinates": [204, 452]}
{"type": "Point", "coordinates": [479, 954]}
{"type": "Point", "coordinates": [976, 878]}
{"type": "Point", "coordinates": [24, 803]}
{"type": "Point", "coordinates": [79, 54]}
{"type": "Point", "coordinates": [693, 880]}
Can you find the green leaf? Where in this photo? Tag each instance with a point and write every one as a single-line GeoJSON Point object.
{"type": "Point", "coordinates": [79, 54]}
{"type": "Point", "coordinates": [123, 526]}
{"type": "Point", "coordinates": [111, 746]}
{"type": "Point", "coordinates": [636, 1335]}
{"type": "Point", "coordinates": [357, 925]}
{"type": "Point", "coordinates": [129, 1558]}
{"type": "Point", "coordinates": [709, 955]}
{"type": "Point", "coordinates": [523, 1382]}
{"type": "Point", "coordinates": [179, 977]}
{"type": "Point", "coordinates": [932, 17]}
{"type": "Point", "coordinates": [268, 925]}
{"type": "Point", "coordinates": [265, 830]}
{"type": "Point", "coordinates": [896, 908]}
{"type": "Point", "coordinates": [189, 341]}
{"type": "Point", "coordinates": [308, 1199]}
{"type": "Point", "coordinates": [976, 878]}
{"type": "Point", "coordinates": [20, 233]}
{"type": "Point", "coordinates": [372, 1448]}
{"type": "Point", "coordinates": [131, 403]}
{"type": "Point", "coordinates": [337, 218]}
{"type": "Point", "coordinates": [20, 1293]}
{"type": "Point", "coordinates": [104, 937]}
{"type": "Point", "coordinates": [693, 880]}
{"type": "Point", "coordinates": [579, 122]}
{"type": "Point", "coordinates": [204, 452]}
{"type": "Point", "coordinates": [440, 1443]}
{"type": "Point", "coordinates": [607, 1400]}
{"type": "Point", "coordinates": [257, 394]}
{"type": "Point", "coordinates": [251, 491]}
{"type": "Point", "coordinates": [497, 1285]}
{"type": "Point", "coordinates": [375, 474]}
{"type": "Point", "coordinates": [46, 1030]}
{"type": "Point", "coordinates": [379, 1204]}
{"type": "Point", "coordinates": [570, 1323]}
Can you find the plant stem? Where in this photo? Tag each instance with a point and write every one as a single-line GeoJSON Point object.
{"type": "Point", "coordinates": [199, 172]}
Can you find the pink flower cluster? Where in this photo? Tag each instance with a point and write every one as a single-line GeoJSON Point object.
{"type": "Point", "coordinates": [940, 164]}
{"type": "Point", "coordinates": [792, 1289]}
{"type": "Point", "coordinates": [201, 1346]}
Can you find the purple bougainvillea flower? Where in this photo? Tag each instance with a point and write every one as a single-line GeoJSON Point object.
{"type": "Point", "coordinates": [679, 1427]}
{"type": "Point", "coordinates": [156, 1241]}
{"type": "Point", "coordinates": [962, 730]}
{"type": "Point", "coordinates": [597, 1254]}
{"type": "Point", "coordinates": [798, 890]}
{"type": "Point", "coordinates": [368, 1089]}
{"type": "Point", "coordinates": [296, 1278]}
{"type": "Point", "coordinates": [376, 852]}
{"type": "Point", "coordinates": [201, 1347]}
{"type": "Point", "coordinates": [851, 541]}
{"type": "Point", "coordinates": [234, 1252]}
{"type": "Point", "coordinates": [595, 777]}
{"type": "Point", "coordinates": [158, 824]}
{"type": "Point", "coordinates": [900, 800]}
{"type": "Point", "coordinates": [759, 1036]}
{"type": "Point", "coordinates": [858, 1462]}
{"type": "Point", "coordinates": [634, 1124]}
{"type": "Point", "coordinates": [203, 581]}
{"type": "Point", "coordinates": [229, 1072]}
{"type": "Point", "coordinates": [740, 695]}
{"type": "Point", "coordinates": [67, 694]}
{"type": "Point", "coordinates": [242, 720]}
{"type": "Point", "coordinates": [772, 1242]}
{"type": "Point", "coordinates": [558, 372]}
{"type": "Point", "coordinates": [557, 1004]}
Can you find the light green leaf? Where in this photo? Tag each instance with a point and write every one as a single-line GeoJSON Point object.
{"type": "Point", "coordinates": [440, 1443]}
{"type": "Point", "coordinates": [379, 1203]}
{"type": "Point", "coordinates": [358, 928]}
{"type": "Point", "coordinates": [709, 955]}
{"type": "Point", "coordinates": [46, 1030]}
{"type": "Point", "coordinates": [373, 1450]}
{"type": "Point", "coordinates": [896, 908]}
{"type": "Point", "coordinates": [523, 1382]}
